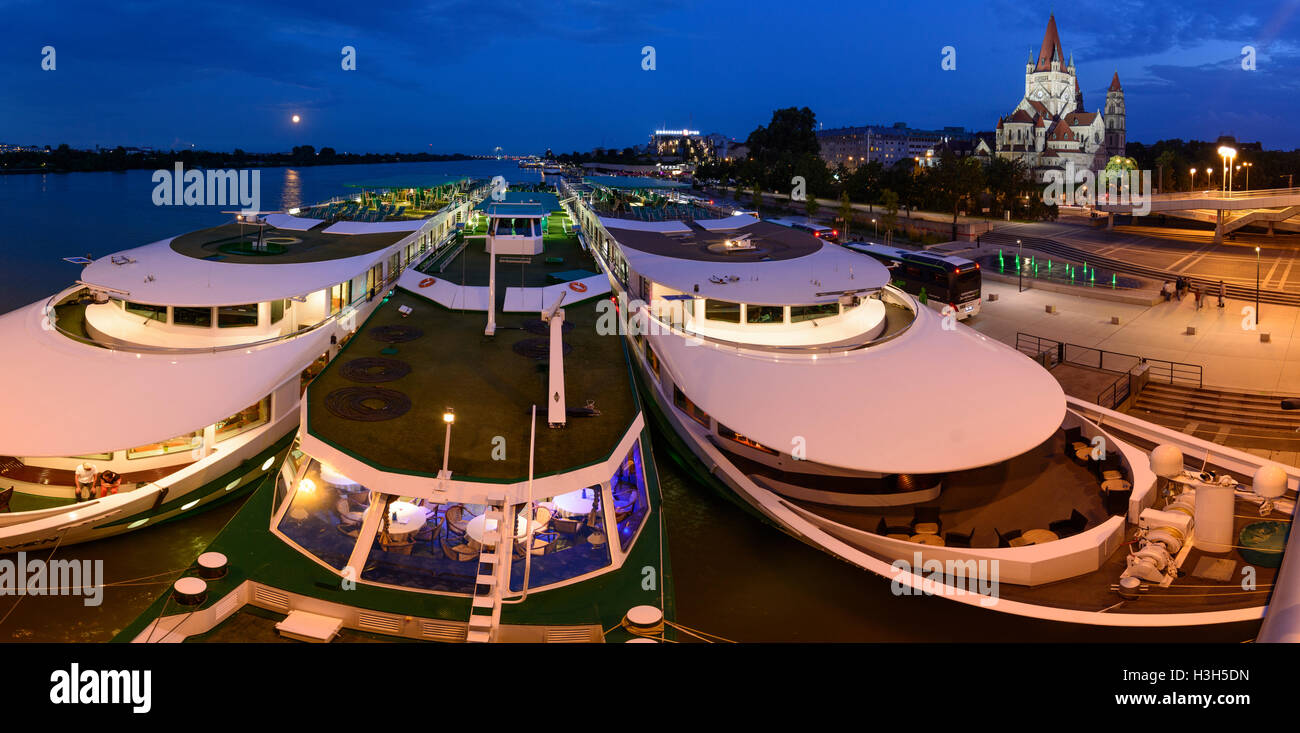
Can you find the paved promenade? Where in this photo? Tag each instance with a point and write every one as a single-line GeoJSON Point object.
{"type": "Point", "coordinates": [1232, 357]}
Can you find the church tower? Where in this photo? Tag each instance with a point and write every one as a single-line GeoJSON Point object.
{"type": "Point", "coordinates": [1116, 139]}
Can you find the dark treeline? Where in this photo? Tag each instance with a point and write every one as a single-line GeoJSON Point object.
{"type": "Point", "coordinates": [64, 159]}
{"type": "Point", "coordinates": [1173, 160]}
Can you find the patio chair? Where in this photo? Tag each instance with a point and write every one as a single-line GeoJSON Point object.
{"type": "Point", "coordinates": [1069, 527]}
{"type": "Point", "coordinates": [958, 539]}
{"type": "Point", "coordinates": [5, 496]}
{"type": "Point", "coordinates": [456, 523]}
{"type": "Point", "coordinates": [566, 526]}
{"type": "Point", "coordinates": [459, 553]}
{"type": "Point", "coordinates": [1004, 540]}
{"type": "Point", "coordinates": [400, 547]}
{"type": "Point", "coordinates": [884, 528]}
{"type": "Point", "coordinates": [926, 515]}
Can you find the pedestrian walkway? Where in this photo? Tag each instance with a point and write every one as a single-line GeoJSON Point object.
{"type": "Point", "coordinates": [1232, 356]}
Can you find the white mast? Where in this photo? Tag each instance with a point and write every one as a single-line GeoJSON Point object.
{"type": "Point", "coordinates": [556, 415]}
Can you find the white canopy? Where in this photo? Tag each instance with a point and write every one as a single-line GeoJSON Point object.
{"type": "Point", "coordinates": [65, 398]}
{"type": "Point", "coordinates": [929, 401]}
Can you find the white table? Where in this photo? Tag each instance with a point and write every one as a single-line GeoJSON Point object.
{"type": "Point", "coordinates": [331, 476]}
{"type": "Point", "coordinates": [576, 502]}
{"type": "Point", "coordinates": [409, 518]}
{"type": "Point", "coordinates": [480, 525]}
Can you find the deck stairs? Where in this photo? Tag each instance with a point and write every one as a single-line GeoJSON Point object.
{"type": "Point", "coordinates": [485, 604]}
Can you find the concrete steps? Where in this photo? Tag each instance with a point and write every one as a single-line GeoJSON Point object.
{"type": "Point", "coordinates": [1217, 406]}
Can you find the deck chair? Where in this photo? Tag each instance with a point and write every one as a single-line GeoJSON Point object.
{"type": "Point", "coordinates": [958, 539]}
{"type": "Point", "coordinates": [456, 523]}
{"type": "Point", "coordinates": [922, 515]}
{"type": "Point", "coordinates": [884, 528]}
{"type": "Point", "coordinates": [1069, 527]}
{"type": "Point", "coordinates": [1004, 540]}
{"type": "Point", "coordinates": [459, 553]}
{"type": "Point", "coordinates": [5, 496]}
{"type": "Point", "coordinates": [566, 526]}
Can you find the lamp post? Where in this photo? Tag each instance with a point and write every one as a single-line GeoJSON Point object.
{"type": "Point", "coordinates": [877, 226]}
{"type": "Point", "coordinates": [1256, 286]}
{"type": "Point", "coordinates": [1020, 266]}
{"type": "Point", "coordinates": [1193, 184]}
{"type": "Point", "coordinates": [448, 417]}
{"type": "Point", "coordinates": [1247, 166]}
{"type": "Point", "coordinates": [1228, 153]}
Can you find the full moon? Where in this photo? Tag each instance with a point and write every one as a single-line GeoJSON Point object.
{"type": "Point", "coordinates": [296, 119]}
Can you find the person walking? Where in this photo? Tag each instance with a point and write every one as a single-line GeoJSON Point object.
{"type": "Point", "coordinates": [85, 477]}
{"type": "Point", "coordinates": [1196, 294]}
{"type": "Point", "coordinates": [1223, 292]}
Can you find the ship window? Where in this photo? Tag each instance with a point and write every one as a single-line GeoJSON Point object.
{"type": "Point", "coordinates": [764, 314]}
{"type": "Point", "coordinates": [237, 316]}
{"type": "Point", "coordinates": [151, 312]}
{"type": "Point", "coordinates": [161, 448]}
{"type": "Point", "coordinates": [653, 360]}
{"type": "Point", "coordinates": [325, 518]}
{"type": "Point", "coordinates": [690, 408]}
{"type": "Point", "coordinates": [800, 313]}
{"type": "Point", "coordinates": [245, 420]}
{"type": "Point", "coordinates": [340, 296]}
{"type": "Point", "coordinates": [631, 504]}
{"type": "Point", "coordinates": [732, 435]}
{"type": "Point", "coordinates": [200, 317]}
{"type": "Point", "coordinates": [721, 310]}
{"type": "Point", "coordinates": [277, 310]}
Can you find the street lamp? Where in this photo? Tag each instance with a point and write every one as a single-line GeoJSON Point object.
{"type": "Point", "coordinates": [448, 417]}
{"type": "Point", "coordinates": [877, 226]}
{"type": "Point", "coordinates": [1228, 153]}
{"type": "Point", "coordinates": [1248, 166]}
{"type": "Point", "coordinates": [1257, 286]}
{"type": "Point", "coordinates": [1189, 188]}
{"type": "Point", "coordinates": [1020, 261]}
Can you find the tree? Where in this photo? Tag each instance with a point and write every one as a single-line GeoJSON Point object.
{"type": "Point", "coordinates": [846, 214]}
{"type": "Point", "coordinates": [1165, 166]}
{"type": "Point", "coordinates": [757, 193]}
{"type": "Point", "coordinates": [810, 206]}
{"type": "Point", "coordinates": [955, 179]}
{"type": "Point", "coordinates": [889, 202]}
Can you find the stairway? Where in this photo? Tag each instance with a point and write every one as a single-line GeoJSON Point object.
{"type": "Point", "coordinates": [485, 605]}
{"type": "Point", "coordinates": [1176, 405]}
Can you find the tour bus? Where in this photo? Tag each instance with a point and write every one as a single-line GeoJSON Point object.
{"type": "Point", "coordinates": [817, 230]}
{"type": "Point", "coordinates": [946, 280]}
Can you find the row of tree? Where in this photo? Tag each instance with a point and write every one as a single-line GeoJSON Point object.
{"type": "Point", "coordinates": [788, 147]}
{"type": "Point", "coordinates": [66, 159]}
{"type": "Point", "coordinates": [1172, 161]}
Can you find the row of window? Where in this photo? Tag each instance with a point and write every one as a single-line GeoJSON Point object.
{"type": "Point", "coordinates": [727, 312]}
{"type": "Point", "coordinates": [225, 316]}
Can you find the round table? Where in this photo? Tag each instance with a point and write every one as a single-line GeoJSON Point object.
{"type": "Point", "coordinates": [404, 518]}
{"type": "Point", "coordinates": [576, 502]}
{"type": "Point", "coordinates": [331, 476]}
{"type": "Point", "coordinates": [478, 526]}
{"type": "Point", "coordinates": [1038, 536]}
{"type": "Point", "coordinates": [1115, 484]}
{"type": "Point", "coordinates": [927, 539]}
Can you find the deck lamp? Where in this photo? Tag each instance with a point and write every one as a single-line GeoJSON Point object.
{"type": "Point", "coordinates": [448, 417]}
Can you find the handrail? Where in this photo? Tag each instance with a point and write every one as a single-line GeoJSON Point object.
{"type": "Point", "coordinates": [1170, 372]}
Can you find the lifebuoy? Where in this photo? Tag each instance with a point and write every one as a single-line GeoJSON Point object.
{"type": "Point", "coordinates": [578, 287]}
{"type": "Point", "coordinates": [426, 282]}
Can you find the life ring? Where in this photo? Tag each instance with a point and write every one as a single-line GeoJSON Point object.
{"type": "Point", "coordinates": [578, 287]}
{"type": "Point", "coordinates": [426, 282]}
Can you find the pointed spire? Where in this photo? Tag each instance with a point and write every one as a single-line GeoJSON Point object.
{"type": "Point", "coordinates": [1114, 83]}
{"type": "Point", "coordinates": [1051, 48]}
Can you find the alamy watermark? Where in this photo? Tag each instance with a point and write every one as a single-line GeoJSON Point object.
{"type": "Point", "coordinates": [180, 187]}
{"type": "Point", "coordinates": [952, 577]}
{"type": "Point", "coordinates": [1083, 187]}
{"type": "Point", "coordinates": [20, 576]}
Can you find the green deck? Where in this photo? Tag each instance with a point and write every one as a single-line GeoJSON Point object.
{"type": "Point", "coordinates": [471, 266]}
{"type": "Point", "coordinates": [313, 245]}
{"type": "Point", "coordinates": [491, 388]}
{"type": "Point", "coordinates": [256, 554]}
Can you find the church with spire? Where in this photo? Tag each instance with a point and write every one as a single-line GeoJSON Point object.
{"type": "Point", "coordinates": [1050, 126]}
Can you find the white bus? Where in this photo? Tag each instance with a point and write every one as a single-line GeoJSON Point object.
{"type": "Point", "coordinates": [817, 230]}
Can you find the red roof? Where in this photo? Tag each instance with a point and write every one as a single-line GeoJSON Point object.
{"type": "Point", "coordinates": [1080, 119]}
{"type": "Point", "coordinates": [1038, 106]}
{"type": "Point", "coordinates": [1021, 116]}
{"type": "Point", "coordinates": [1051, 50]}
{"type": "Point", "coordinates": [1114, 83]}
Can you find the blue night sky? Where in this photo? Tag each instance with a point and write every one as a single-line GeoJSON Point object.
{"type": "Point", "coordinates": [466, 76]}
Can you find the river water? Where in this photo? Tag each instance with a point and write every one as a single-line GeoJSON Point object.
{"type": "Point", "coordinates": [734, 576]}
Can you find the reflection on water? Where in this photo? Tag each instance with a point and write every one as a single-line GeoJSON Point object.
{"type": "Point", "coordinates": [291, 192]}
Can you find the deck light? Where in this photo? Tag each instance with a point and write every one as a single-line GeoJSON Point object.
{"type": "Point", "coordinates": [449, 416]}
{"type": "Point", "coordinates": [307, 486]}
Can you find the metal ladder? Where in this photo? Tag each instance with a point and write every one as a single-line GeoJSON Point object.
{"type": "Point", "coordinates": [485, 605]}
